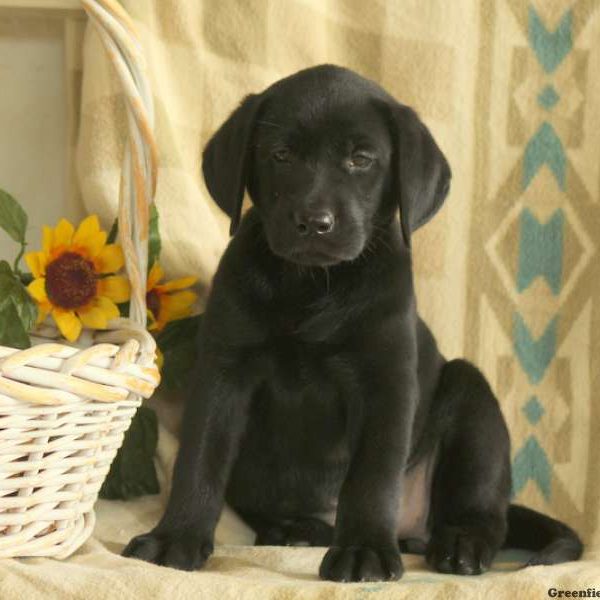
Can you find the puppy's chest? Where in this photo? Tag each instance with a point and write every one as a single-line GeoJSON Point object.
{"type": "Point", "coordinates": [302, 321]}
{"type": "Point", "coordinates": [297, 371]}
{"type": "Point", "coordinates": [300, 413]}
{"type": "Point", "coordinates": [305, 385]}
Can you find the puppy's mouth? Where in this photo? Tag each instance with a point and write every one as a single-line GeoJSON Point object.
{"type": "Point", "coordinates": [314, 252]}
{"type": "Point", "coordinates": [321, 255]}
{"type": "Point", "coordinates": [315, 258]}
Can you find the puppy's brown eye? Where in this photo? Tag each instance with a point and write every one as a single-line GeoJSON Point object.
{"type": "Point", "coordinates": [360, 161]}
{"type": "Point", "coordinates": [281, 155]}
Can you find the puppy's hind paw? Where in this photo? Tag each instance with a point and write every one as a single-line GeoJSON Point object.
{"type": "Point", "coordinates": [179, 551]}
{"type": "Point", "coordinates": [299, 532]}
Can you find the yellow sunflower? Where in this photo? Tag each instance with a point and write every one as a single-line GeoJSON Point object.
{"type": "Point", "coordinates": [168, 301]}
{"type": "Point", "coordinates": [74, 277]}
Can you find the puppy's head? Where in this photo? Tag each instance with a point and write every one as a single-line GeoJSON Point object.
{"type": "Point", "coordinates": [328, 157]}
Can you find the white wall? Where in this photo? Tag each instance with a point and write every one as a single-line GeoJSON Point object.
{"type": "Point", "coordinates": [33, 121]}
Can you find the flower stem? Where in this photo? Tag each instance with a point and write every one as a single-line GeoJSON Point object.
{"type": "Point", "coordinates": [16, 269]}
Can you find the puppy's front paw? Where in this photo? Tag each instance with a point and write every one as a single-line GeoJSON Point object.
{"type": "Point", "coordinates": [460, 551]}
{"type": "Point", "coordinates": [361, 563]}
{"type": "Point", "coordinates": [180, 551]}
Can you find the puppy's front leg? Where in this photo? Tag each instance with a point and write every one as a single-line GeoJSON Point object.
{"type": "Point", "coordinates": [213, 421]}
{"type": "Point", "coordinates": [365, 546]}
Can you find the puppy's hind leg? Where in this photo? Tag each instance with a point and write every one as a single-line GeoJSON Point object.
{"type": "Point", "coordinates": [471, 484]}
{"type": "Point", "coordinates": [289, 532]}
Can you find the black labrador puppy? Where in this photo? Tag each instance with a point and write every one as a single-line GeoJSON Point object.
{"type": "Point", "coordinates": [320, 408]}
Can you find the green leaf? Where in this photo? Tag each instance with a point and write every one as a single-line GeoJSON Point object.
{"type": "Point", "coordinates": [178, 363]}
{"type": "Point", "coordinates": [12, 332]}
{"type": "Point", "coordinates": [154, 244]}
{"type": "Point", "coordinates": [112, 234]}
{"type": "Point", "coordinates": [13, 218]}
{"type": "Point", "coordinates": [26, 307]}
{"type": "Point", "coordinates": [177, 331]}
{"type": "Point", "coordinates": [178, 343]}
{"type": "Point", "coordinates": [26, 278]}
{"type": "Point", "coordinates": [132, 473]}
{"type": "Point", "coordinates": [5, 268]}
{"type": "Point", "coordinates": [124, 309]}
{"type": "Point", "coordinates": [13, 292]}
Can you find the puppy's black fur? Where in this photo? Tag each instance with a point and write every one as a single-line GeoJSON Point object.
{"type": "Point", "coordinates": [318, 388]}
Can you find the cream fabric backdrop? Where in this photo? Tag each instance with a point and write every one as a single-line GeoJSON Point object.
{"type": "Point", "coordinates": [507, 274]}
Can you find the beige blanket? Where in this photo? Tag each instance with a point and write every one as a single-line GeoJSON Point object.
{"type": "Point", "coordinates": [238, 570]}
{"type": "Point", "coordinates": [508, 273]}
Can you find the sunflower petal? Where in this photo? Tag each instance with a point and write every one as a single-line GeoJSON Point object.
{"type": "Point", "coordinates": [87, 228]}
{"type": "Point", "coordinates": [178, 305]}
{"type": "Point", "coordinates": [94, 243]}
{"type": "Point", "coordinates": [115, 287]}
{"type": "Point", "coordinates": [63, 234]}
{"type": "Point", "coordinates": [93, 317]}
{"type": "Point", "coordinates": [37, 289]}
{"type": "Point", "coordinates": [36, 261]}
{"type": "Point", "coordinates": [47, 240]}
{"type": "Point", "coordinates": [110, 259]}
{"type": "Point", "coordinates": [177, 284]}
{"type": "Point", "coordinates": [68, 323]}
{"type": "Point", "coordinates": [89, 236]}
{"type": "Point", "coordinates": [160, 359]}
{"type": "Point", "coordinates": [155, 275]}
{"type": "Point", "coordinates": [108, 307]}
{"type": "Point", "coordinates": [43, 309]}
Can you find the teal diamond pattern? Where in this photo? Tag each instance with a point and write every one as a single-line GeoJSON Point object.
{"type": "Point", "coordinates": [540, 251]}
{"type": "Point", "coordinates": [548, 97]}
{"type": "Point", "coordinates": [545, 148]}
{"type": "Point", "coordinates": [533, 410]}
{"type": "Point", "coordinates": [550, 47]}
{"type": "Point", "coordinates": [534, 354]}
{"type": "Point", "coordinates": [531, 463]}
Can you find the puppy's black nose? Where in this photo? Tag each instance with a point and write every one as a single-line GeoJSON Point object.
{"type": "Point", "coordinates": [321, 222]}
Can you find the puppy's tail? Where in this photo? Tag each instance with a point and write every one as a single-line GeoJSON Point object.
{"type": "Point", "coordinates": [552, 541]}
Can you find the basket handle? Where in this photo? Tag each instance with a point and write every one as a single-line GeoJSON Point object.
{"type": "Point", "coordinates": [138, 180]}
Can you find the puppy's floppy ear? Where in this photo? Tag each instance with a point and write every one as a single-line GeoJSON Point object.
{"type": "Point", "coordinates": [226, 159]}
{"type": "Point", "coordinates": [421, 174]}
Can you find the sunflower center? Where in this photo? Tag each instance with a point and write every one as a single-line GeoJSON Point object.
{"type": "Point", "coordinates": [70, 281]}
{"type": "Point", "coordinates": [153, 302]}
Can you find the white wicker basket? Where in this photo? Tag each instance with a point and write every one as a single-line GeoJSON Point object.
{"type": "Point", "coordinates": [64, 409]}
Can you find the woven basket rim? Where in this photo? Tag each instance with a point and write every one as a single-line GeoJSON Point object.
{"type": "Point", "coordinates": [51, 369]}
